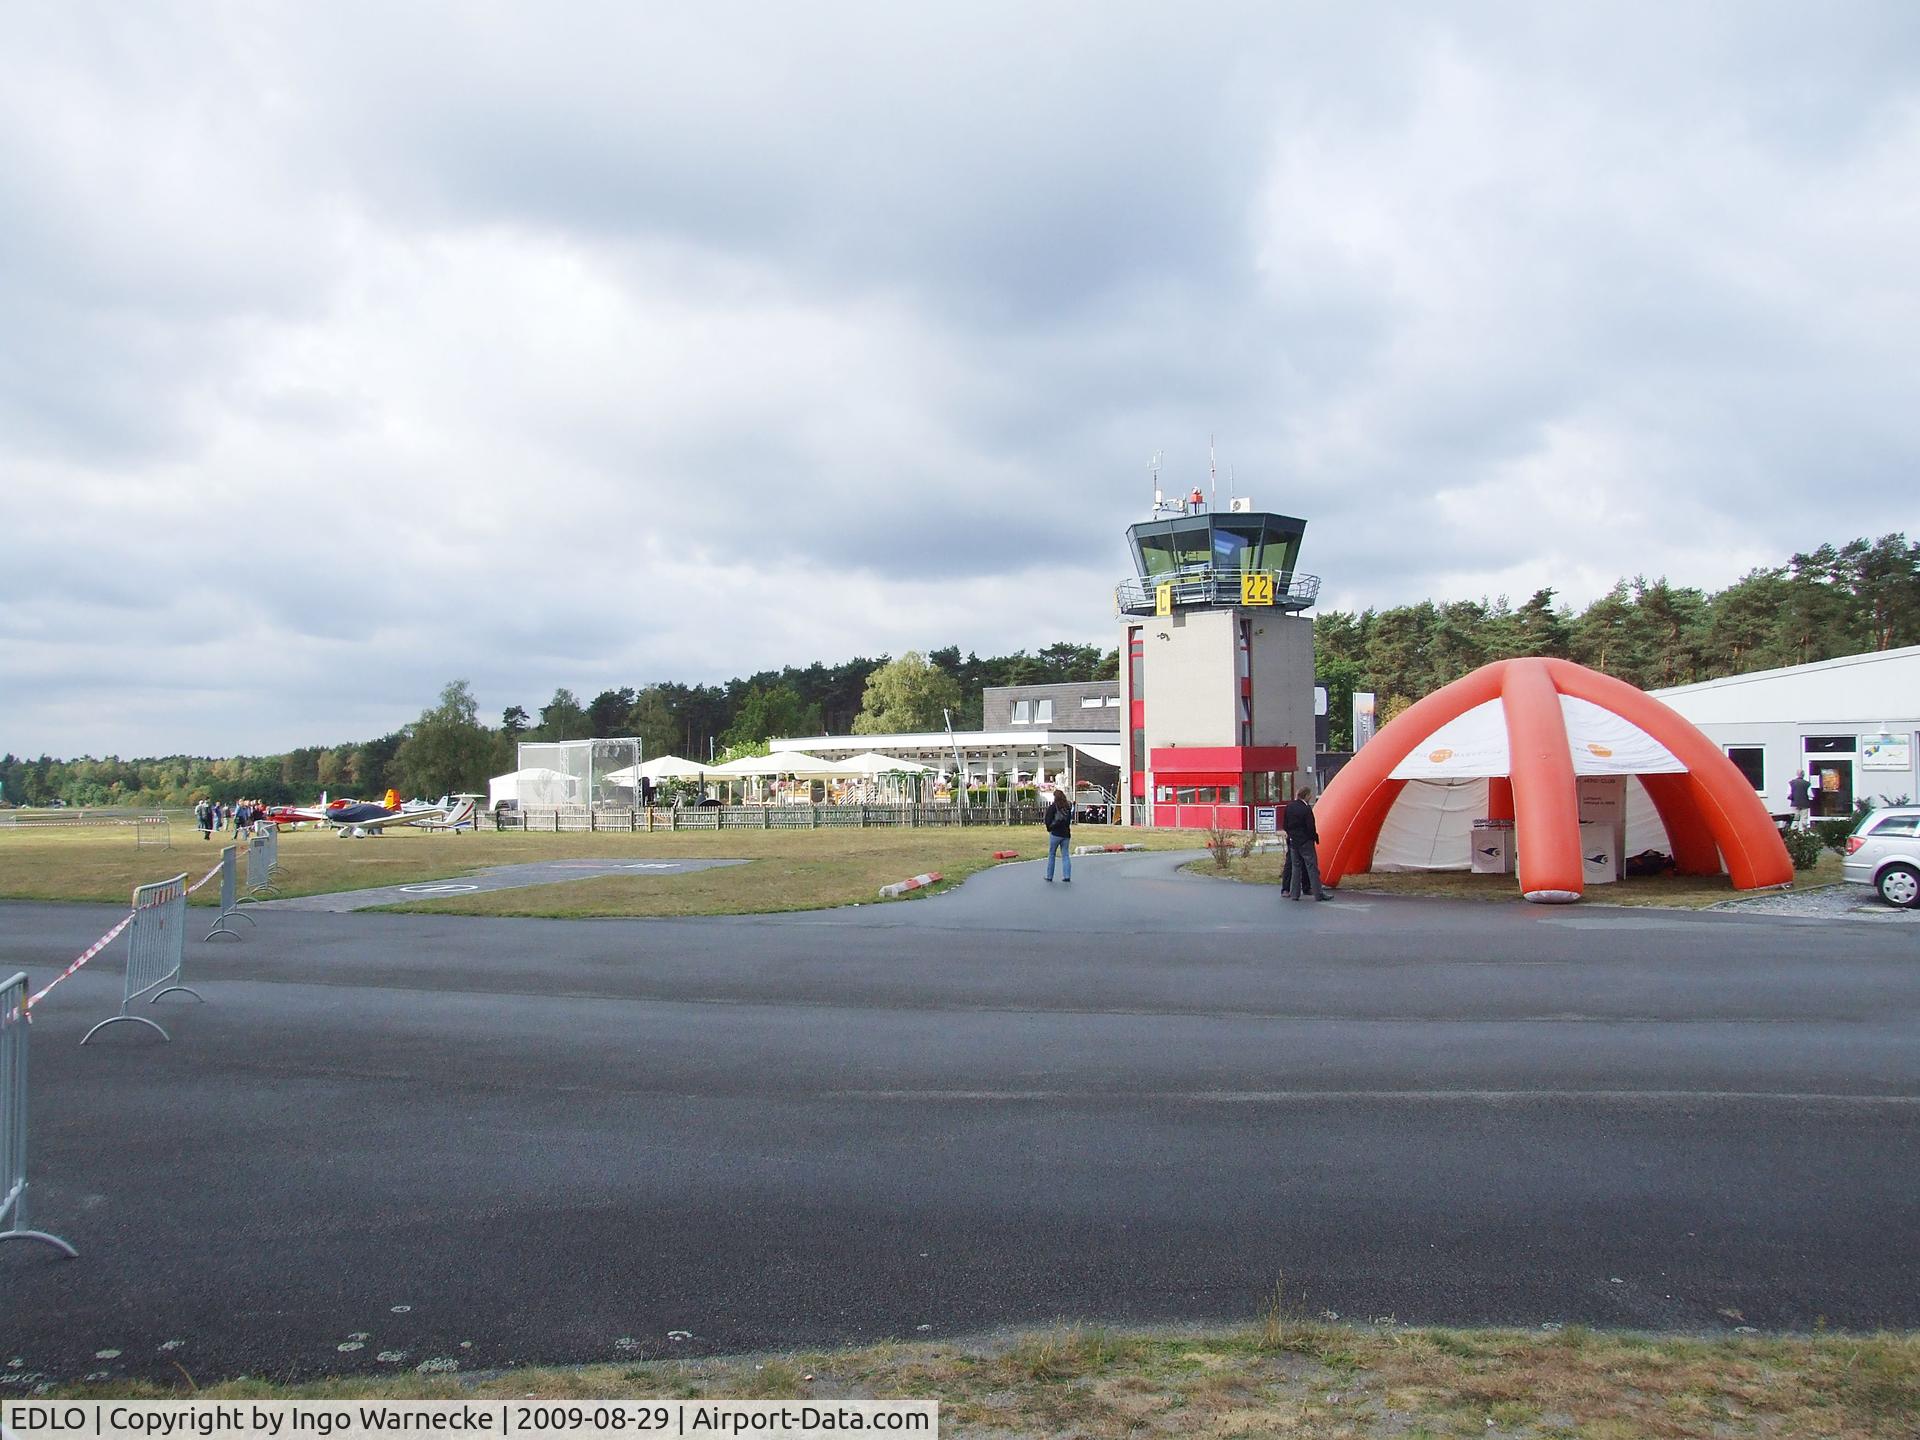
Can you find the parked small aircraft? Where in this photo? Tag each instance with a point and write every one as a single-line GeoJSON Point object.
{"type": "Point", "coordinates": [358, 819]}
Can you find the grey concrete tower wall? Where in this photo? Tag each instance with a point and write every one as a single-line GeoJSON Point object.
{"type": "Point", "coordinates": [1283, 685]}
{"type": "Point", "coordinates": [1192, 679]}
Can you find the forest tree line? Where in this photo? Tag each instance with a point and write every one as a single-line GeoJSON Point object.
{"type": "Point", "coordinates": [1835, 600]}
{"type": "Point", "coordinates": [451, 747]}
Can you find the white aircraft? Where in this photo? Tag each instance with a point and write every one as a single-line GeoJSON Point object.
{"type": "Point", "coordinates": [359, 819]}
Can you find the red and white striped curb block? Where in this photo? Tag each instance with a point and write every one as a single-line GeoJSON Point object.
{"type": "Point", "coordinates": [1104, 849]}
{"type": "Point", "coordinates": [919, 882]}
{"type": "Point", "coordinates": [86, 955]}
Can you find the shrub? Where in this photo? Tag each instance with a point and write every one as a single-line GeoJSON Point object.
{"type": "Point", "coordinates": [1221, 843]}
{"type": "Point", "coordinates": [1830, 833]}
{"type": "Point", "coordinates": [1805, 847]}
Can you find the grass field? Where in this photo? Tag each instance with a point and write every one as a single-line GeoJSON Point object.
{"type": "Point", "coordinates": [788, 870]}
{"type": "Point", "coordinates": [1692, 892]}
{"type": "Point", "coordinates": [1287, 1377]}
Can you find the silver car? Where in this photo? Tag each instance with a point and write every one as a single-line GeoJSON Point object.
{"type": "Point", "coordinates": [1884, 851]}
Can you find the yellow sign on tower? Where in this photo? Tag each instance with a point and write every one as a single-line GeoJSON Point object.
{"type": "Point", "coordinates": [1163, 598]}
{"type": "Point", "coordinates": [1256, 587]}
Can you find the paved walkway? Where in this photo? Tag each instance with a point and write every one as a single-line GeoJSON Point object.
{"type": "Point", "coordinates": [500, 877]}
{"type": "Point", "coordinates": [388, 1141]}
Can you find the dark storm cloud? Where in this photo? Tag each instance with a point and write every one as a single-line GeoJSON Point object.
{"type": "Point", "coordinates": [595, 345]}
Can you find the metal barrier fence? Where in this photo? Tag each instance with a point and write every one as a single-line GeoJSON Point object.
{"type": "Point", "coordinates": [270, 833]}
{"type": "Point", "coordinates": [229, 895]}
{"type": "Point", "coordinates": [566, 819]}
{"type": "Point", "coordinates": [154, 828]}
{"type": "Point", "coordinates": [13, 1118]}
{"type": "Point", "coordinates": [263, 860]}
{"type": "Point", "coordinates": [156, 951]}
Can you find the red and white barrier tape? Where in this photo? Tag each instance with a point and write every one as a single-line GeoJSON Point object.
{"type": "Point", "coordinates": [86, 955]}
{"type": "Point", "coordinates": [918, 882]}
{"type": "Point", "coordinates": [206, 877]}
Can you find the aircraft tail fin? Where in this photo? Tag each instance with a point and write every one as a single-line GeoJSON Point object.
{"type": "Point", "coordinates": [391, 800]}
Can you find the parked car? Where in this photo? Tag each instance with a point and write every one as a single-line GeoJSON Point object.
{"type": "Point", "coordinates": [1884, 851]}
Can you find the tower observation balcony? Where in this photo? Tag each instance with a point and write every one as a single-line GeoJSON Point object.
{"type": "Point", "coordinates": [1216, 560]}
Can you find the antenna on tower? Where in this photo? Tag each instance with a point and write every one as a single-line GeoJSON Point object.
{"type": "Point", "coordinates": [1153, 473]}
{"type": "Point", "coordinates": [1213, 478]}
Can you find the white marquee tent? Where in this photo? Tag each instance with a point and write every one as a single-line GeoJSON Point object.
{"type": "Point", "coordinates": [872, 764]}
{"type": "Point", "coordinates": [784, 762]}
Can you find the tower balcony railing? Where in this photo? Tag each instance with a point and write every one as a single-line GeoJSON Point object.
{"type": "Point", "coordinates": [1201, 588]}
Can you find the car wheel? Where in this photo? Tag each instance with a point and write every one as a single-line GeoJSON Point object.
{"type": "Point", "coordinates": [1899, 885]}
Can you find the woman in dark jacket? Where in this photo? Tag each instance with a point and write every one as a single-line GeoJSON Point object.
{"type": "Point", "coordinates": [1059, 822]}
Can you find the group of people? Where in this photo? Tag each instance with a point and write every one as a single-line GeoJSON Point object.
{"type": "Point", "coordinates": [1303, 843]}
{"type": "Point", "coordinates": [212, 815]}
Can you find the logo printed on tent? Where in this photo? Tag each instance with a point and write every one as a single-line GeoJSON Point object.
{"type": "Point", "coordinates": [1604, 752]}
{"type": "Point", "coordinates": [1440, 756]}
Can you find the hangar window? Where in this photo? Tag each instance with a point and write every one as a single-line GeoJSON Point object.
{"type": "Point", "coordinates": [1750, 761]}
{"type": "Point", "coordinates": [1830, 744]}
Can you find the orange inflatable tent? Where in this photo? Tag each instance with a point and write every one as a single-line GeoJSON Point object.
{"type": "Point", "coordinates": [1533, 727]}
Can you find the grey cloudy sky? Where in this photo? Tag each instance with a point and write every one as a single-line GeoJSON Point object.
{"type": "Point", "coordinates": [348, 348]}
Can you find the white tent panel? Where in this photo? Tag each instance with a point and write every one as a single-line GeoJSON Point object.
{"type": "Point", "coordinates": [1430, 826]}
{"type": "Point", "coordinates": [534, 787]}
{"type": "Point", "coordinates": [1604, 743]}
{"type": "Point", "coordinates": [661, 767]}
{"type": "Point", "coordinates": [1471, 745]}
{"type": "Point", "coordinates": [1105, 754]}
{"type": "Point", "coordinates": [1645, 829]}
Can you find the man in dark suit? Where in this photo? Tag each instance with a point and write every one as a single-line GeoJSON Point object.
{"type": "Point", "coordinates": [1303, 841]}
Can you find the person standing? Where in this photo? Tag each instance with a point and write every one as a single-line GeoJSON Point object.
{"type": "Point", "coordinates": [1800, 800]}
{"type": "Point", "coordinates": [1303, 847]}
{"type": "Point", "coordinates": [1059, 823]}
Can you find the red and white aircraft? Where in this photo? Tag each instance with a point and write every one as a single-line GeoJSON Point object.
{"type": "Point", "coordinates": [358, 819]}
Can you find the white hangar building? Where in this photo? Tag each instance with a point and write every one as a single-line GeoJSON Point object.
{"type": "Point", "coordinates": [1853, 724]}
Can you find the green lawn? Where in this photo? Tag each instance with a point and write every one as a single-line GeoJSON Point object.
{"type": "Point", "coordinates": [1289, 1376]}
{"type": "Point", "coordinates": [788, 869]}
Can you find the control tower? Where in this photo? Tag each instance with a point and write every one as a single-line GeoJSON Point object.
{"type": "Point", "coordinates": [1217, 686]}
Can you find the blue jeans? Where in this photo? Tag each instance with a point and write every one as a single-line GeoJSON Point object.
{"type": "Point", "coordinates": [1064, 846]}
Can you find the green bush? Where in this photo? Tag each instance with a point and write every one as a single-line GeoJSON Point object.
{"type": "Point", "coordinates": [1805, 847]}
{"type": "Point", "coordinates": [1831, 833]}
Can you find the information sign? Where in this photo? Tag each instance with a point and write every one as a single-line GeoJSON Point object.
{"type": "Point", "coordinates": [1256, 587]}
{"type": "Point", "coordinates": [1886, 752]}
{"type": "Point", "coordinates": [1163, 598]}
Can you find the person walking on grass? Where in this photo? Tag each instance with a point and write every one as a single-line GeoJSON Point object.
{"type": "Point", "coordinates": [1303, 847]}
{"type": "Point", "coordinates": [1059, 822]}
